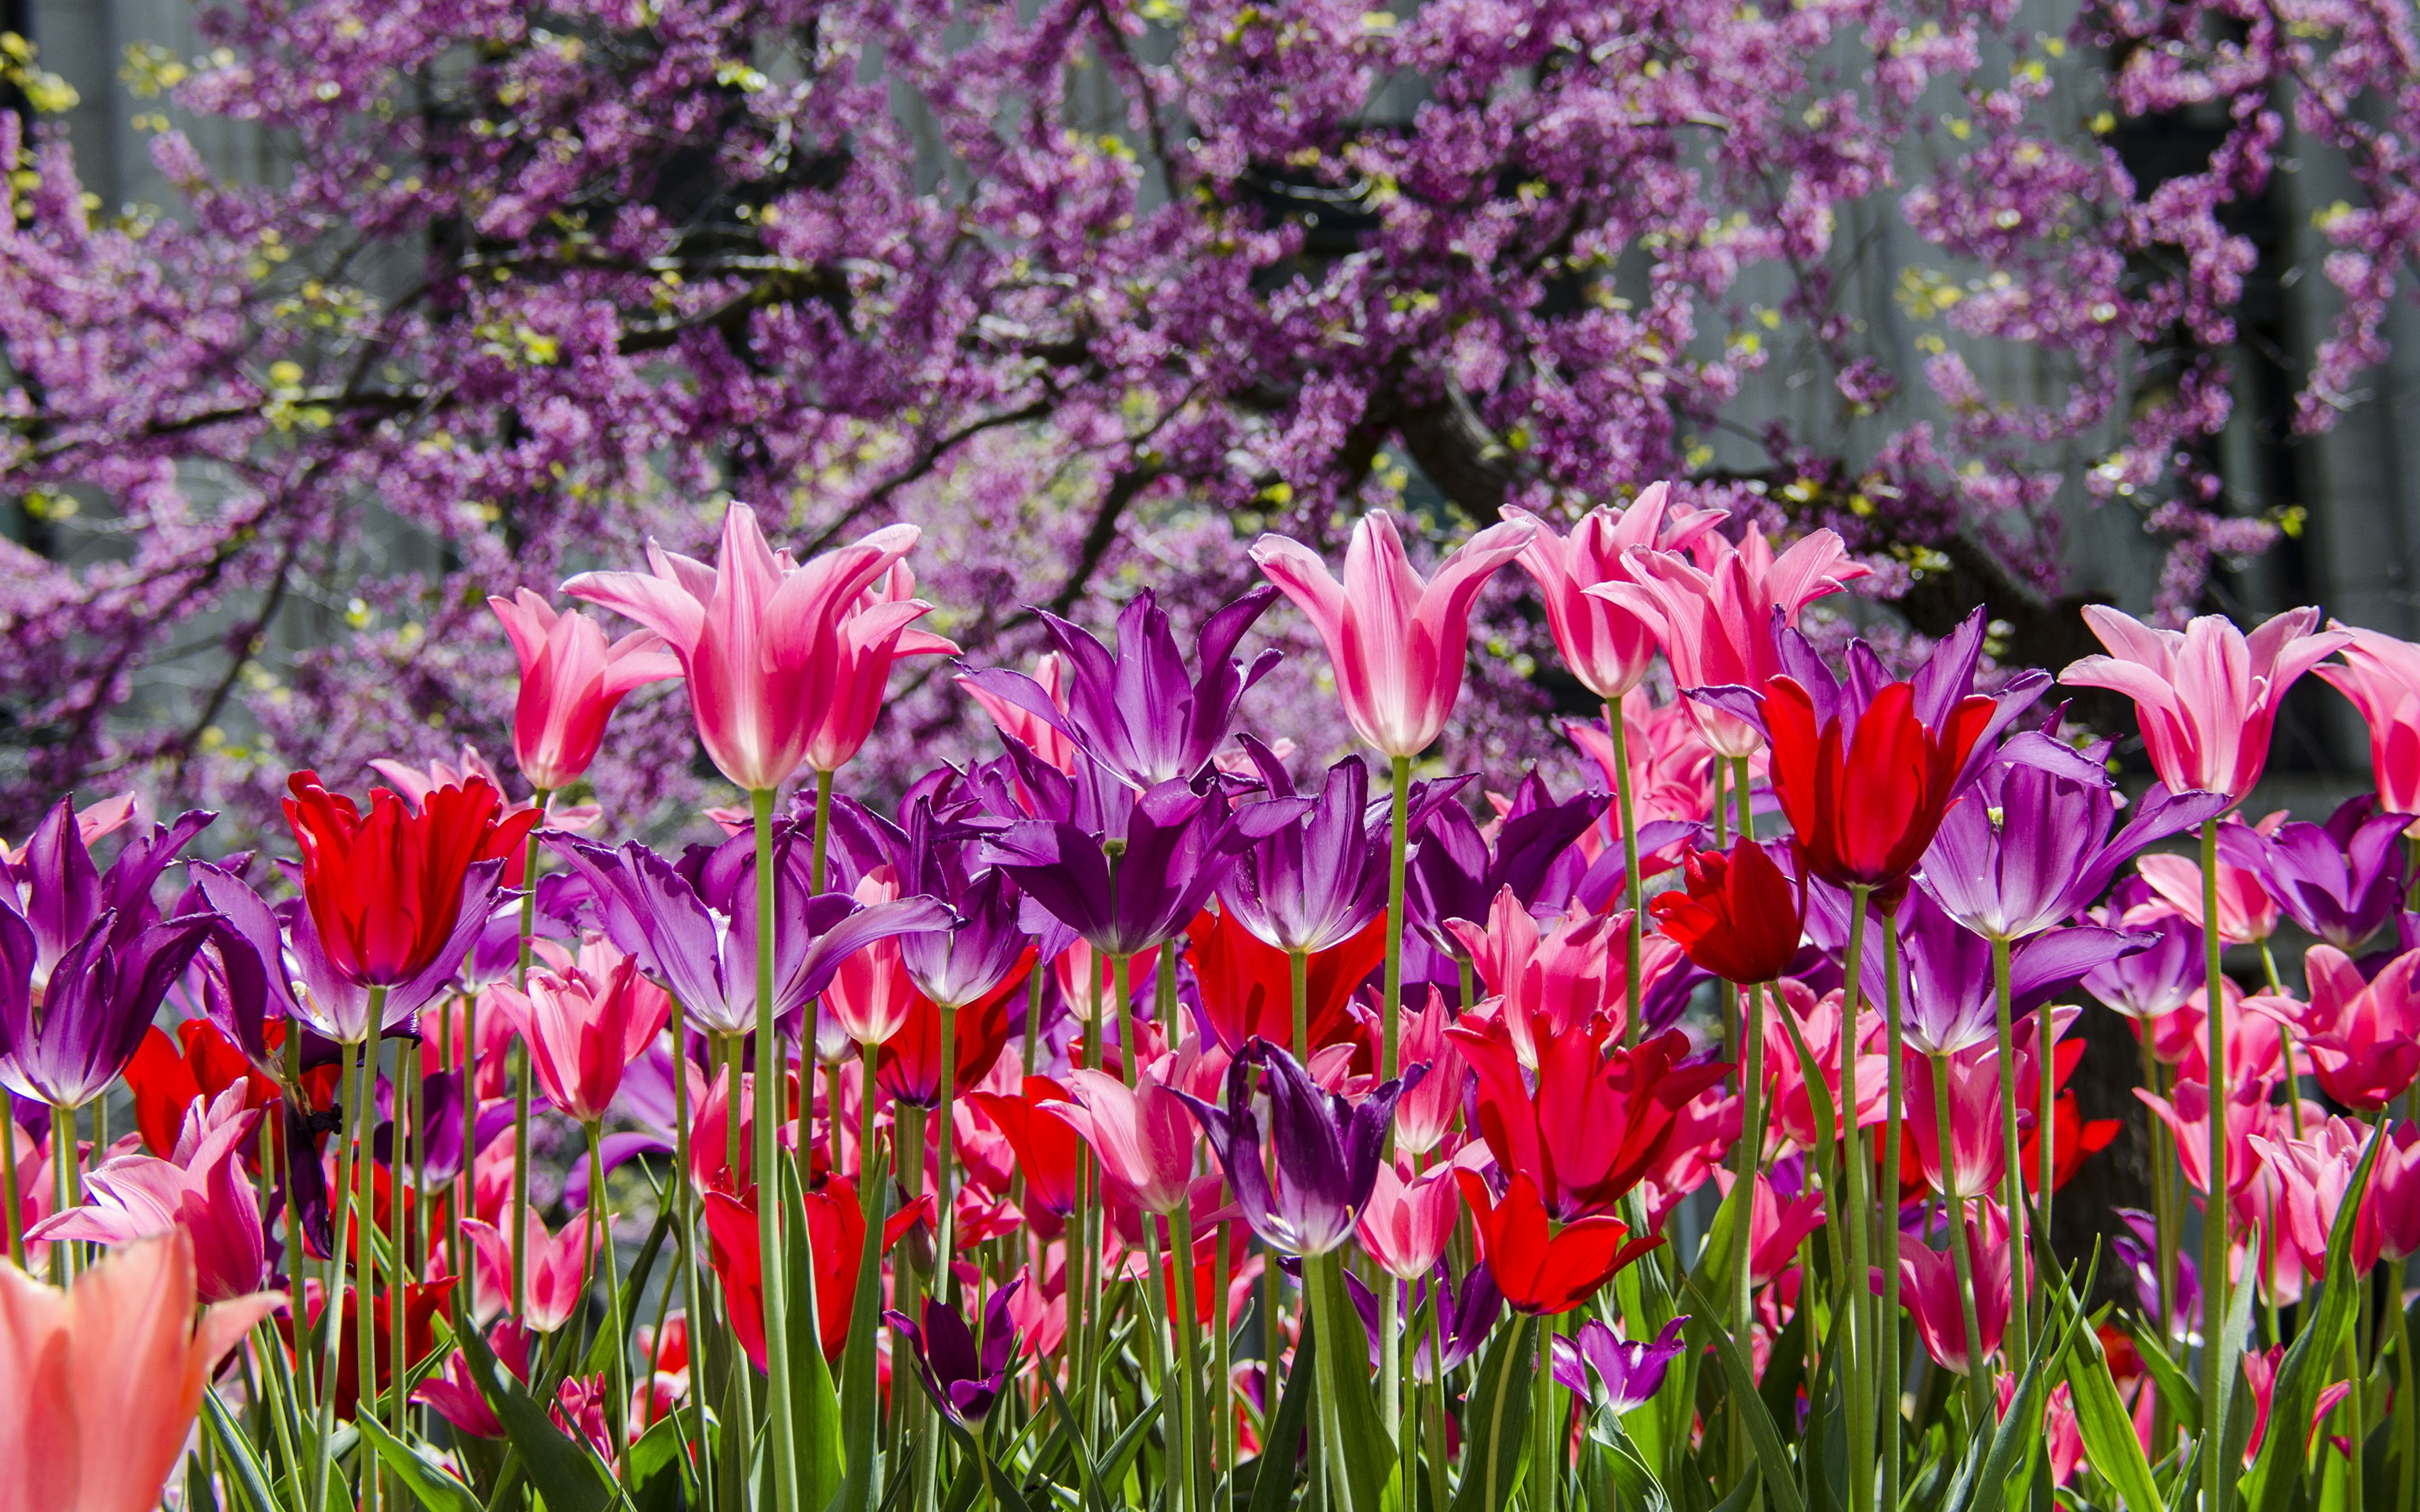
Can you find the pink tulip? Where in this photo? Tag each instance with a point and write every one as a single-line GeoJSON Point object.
{"type": "Point", "coordinates": [2207, 696]}
{"type": "Point", "coordinates": [1976, 1160]}
{"type": "Point", "coordinates": [202, 1190]}
{"type": "Point", "coordinates": [1407, 1219]}
{"type": "Point", "coordinates": [2381, 675]}
{"type": "Point", "coordinates": [2187, 1115]}
{"type": "Point", "coordinates": [1776, 1225]}
{"type": "Point", "coordinates": [786, 663]}
{"type": "Point", "coordinates": [454, 1392]}
{"type": "Point", "coordinates": [584, 1024]}
{"type": "Point", "coordinates": [2246, 914]}
{"type": "Point", "coordinates": [1607, 646]}
{"type": "Point", "coordinates": [2260, 1376]}
{"type": "Point", "coordinates": [1429, 1106]}
{"type": "Point", "coordinates": [2389, 1223]}
{"type": "Point", "coordinates": [416, 783]}
{"type": "Point", "coordinates": [1669, 760]}
{"type": "Point", "coordinates": [1397, 643]}
{"type": "Point", "coordinates": [99, 1384]}
{"type": "Point", "coordinates": [2062, 1435]}
{"type": "Point", "coordinates": [1143, 1136]}
{"type": "Point", "coordinates": [1568, 977]}
{"type": "Point", "coordinates": [2363, 1037]}
{"type": "Point", "coordinates": [871, 997]}
{"type": "Point", "coordinates": [1714, 617]}
{"type": "Point", "coordinates": [556, 1269]}
{"type": "Point", "coordinates": [570, 682]}
{"type": "Point", "coordinates": [2311, 1177]}
{"type": "Point", "coordinates": [1929, 1289]}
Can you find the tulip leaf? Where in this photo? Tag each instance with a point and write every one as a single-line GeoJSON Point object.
{"type": "Point", "coordinates": [605, 1351]}
{"type": "Point", "coordinates": [1368, 1452]}
{"type": "Point", "coordinates": [2279, 1469]}
{"type": "Point", "coordinates": [1495, 1422]}
{"type": "Point", "coordinates": [1068, 1429]}
{"type": "Point", "coordinates": [1638, 1484]}
{"type": "Point", "coordinates": [815, 1406]}
{"type": "Point", "coordinates": [1982, 1484]}
{"type": "Point", "coordinates": [1740, 1377]}
{"type": "Point", "coordinates": [861, 1404]}
{"type": "Point", "coordinates": [2109, 1440]}
{"type": "Point", "coordinates": [655, 1470]}
{"type": "Point", "coordinates": [566, 1472]}
{"type": "Point", "coordinates": [2184, 1397]}
{"type": "Point", "coordinates": [239, 1462]}
{"type": "Point", "coordinates": [430, 1485]}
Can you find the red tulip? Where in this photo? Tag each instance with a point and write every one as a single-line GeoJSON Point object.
{"type": "Point", "coordinates": [836, 1239]}
{"type": "Point", "coordinates": [909, 1064]}
{"type": "Point", "coordinates": [1598, 1122]}
{"type": "Point", "coordinates": [1539, 1272]}
{"type": "Point", "coordinates": [385, 890]}
{"type": "Point", "coordinates": [1049, 1154]}
{"type": "Point", "coordinates": [1865, 791]}
{"type": "Point", "coordinates": [1248, 985]}
{"type": "Point", "coordinates": [166, 1075]}
{"type": "Point", "coordinates": [1741, 917]}
{"type": "Point", "coordinates": [421, 1306]}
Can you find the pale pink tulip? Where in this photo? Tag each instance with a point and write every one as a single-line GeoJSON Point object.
{"type": "Point", "coordinates": [786, 663]}
{"type": "Point", "coordinates": [414, 783]}
{"type": "Point", "coordinates": [871, 996]}
{"type": "Point", "coordinates": [570, 682]}
{"type": "Point", "coordinates": [1607, 646]}
{"type": "Point", "coordinates": [1669, 760]}
{"type": "Point", "coordinates": [1776, 1225]}
{"type": "Point", "coordinates": [99, 1384]}
{"type": "Point", "coordinates": [2207, 696]}
{"type": "Point", "coordinates": [2381, 675]}
{"type": "Point", "coordinates": [1397, 643]}
{"type": "Point", "coordinates": [1714, 616]}
{"type": "Point", "coordinates": [1407, 1219]}
{"type": "Point", "coordinates": [556, 1269]}
{"type": "Point", "coordinates": [2246, 914]}
{"type": "Point", "coordinates": [584, 1024]}
{"type": "Point", "coordinates": [1144, 1136]}
{"type": "Point", "coordinates": [201, 1189]}
{"type": "Point", "coordinates": [2311, 1177]}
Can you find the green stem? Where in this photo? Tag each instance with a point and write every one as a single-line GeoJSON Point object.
{"type": "Point", "coordinates": [1222, 1375]}
{"type": "Point", "coordinates": [67, 1189]}
{"type": "Point", "coordinates": [456, 1257]}
{"type": "Point", "coordinates": [1886, 1342]}
{"type": "Point", "coordinates": [603, 1247]}
{"type": "Point", "coordinates": [685, 1197]}
{"type": "Point", "coordinates": [2013, 1179]}
{"type": "Point", "coordinates": [1633, 938]}
{"type": "Point", "coordinates": [1298, 972]}
{"type": "Point", "coordinates": [399, 1225]}
{"type": "Point", "coordinates": [332, 1306]}
{"type": "Point", "coordinates": [1121, 988]}
{"type": "Point", "coordinates": [1187, 1375]}
{"type": "Point", "coordinates": [14, 1203]}
{"type": "Point", "coordinates": [768, 1110]}
{"type": "Point", "coordinates": [365, 1280]}
{"type": "Point", "coordinates": [945, 1278]}
{"type": "Point", "coordinates": [1398, 834]}
{"type": "Point", "coordinates": [1853, 1304]}
{"type": "Point", "coordinates": [2217, 1357]}
{"type": "Point", "coordinates": [520, 1076]}
{"type": "Point", "coordinates": [1978, 1375]}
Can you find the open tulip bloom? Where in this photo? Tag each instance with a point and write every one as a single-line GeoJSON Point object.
{"type": "Point", "coordinates": [1141, 1116]}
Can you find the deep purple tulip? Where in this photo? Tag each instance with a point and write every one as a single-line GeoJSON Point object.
{"type": "Point", "coordinates": [1135, 882]}
{"type": "Point", "coordinates": [1455, 874]}
{"type": "Point", "coordinates": [936, 855]}
{"type": "Point", "coordinates": [1313, 883]}
{"type": "Point", "coordinates": [1470, 1311]}
{"type": "Point", "coordinates": [964, 1377]}
{"type": "Point", "coordinates": [2342, 880]}
{"type": "Point", "coordinates": [694, 925]}
{"type": "Point", "coordinates": [2138, 1247]}
{"type": "Point", "coordinates": [62, 894]}
{"type": "Point", "coordinates": [1949, 1004]}
{"type": "Point", "coordinates": [2031, 845]}
{"type": "Point", "coordinates": [1304, 1191]}
{"type": "Point", "coordinates": [1628, 1374]}
{"type": "Point", "coordinates": [1141, 713]}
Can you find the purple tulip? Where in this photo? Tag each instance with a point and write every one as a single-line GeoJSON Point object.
{"type": "Point", "coordinates": [694, 925]}
{"type": "Point", "coordinates": [86, 963]}
{"type": "Point", "coordinates": [1136, 875]}
{"type": "Point", "coordinates": [296, 979]}
{"type": "Point", "coordinates": [2154, 982]}
{"type": "Point", "coordinates": [2030, 845]}
{"type": "Point", "coordinates": [1949, 1004]}
{"type": "Point", "coordinates": [1303, 1192]}
{"type": "Point", "coordinates": [1470, 1311]}
{"type": "Point", "coordinates": [1454, 873]}
{"type": "Point", "coordinates": [1628, 1374]}
{"type": "Point", "coordinates": [1316, 882]}
{"type": "Point", "coordinates": [2138, 1248]}
{"type": "Point", "coordinates": [1139, 714]}
{"type": "Point", "coordinates": [937, 855]}
{"type": "Point", "coordinates": [964, 1377]}
{"type": "Point", "coordinates": [2342, 880]}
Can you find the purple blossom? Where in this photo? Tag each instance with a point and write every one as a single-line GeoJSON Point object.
{"type": "Point", "coordinates": [2343, 880]}
{"type": "Point", "coordinates": [1304, 1191]}
{"type": "Point", "coordinates": [1628, 1374]}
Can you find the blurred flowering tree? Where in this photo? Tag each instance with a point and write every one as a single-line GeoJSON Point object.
{"type": "Point", "coordinates": [1095, 290]}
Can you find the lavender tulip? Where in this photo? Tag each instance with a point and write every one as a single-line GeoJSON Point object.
{"type": "Point", "coordinates": [1305, 1191]}
{"type": "Point", "coordinates": [2166, 975]}
{"type": "Point", "coordinates": [1138, 714]}
{"type": "Point", "coordinates": [694, 925]}
{"type": "Point", "coordinates": [2342, 880]}
{"type": "Point", "coordinates": [966, 1379]}
{"type": "Point", "coordinates": [2031, 845]}
{"type": "Point", "coordinates": [937, 855]}
{"type": "Point", "coordinates": [2138, 1248]}
{"type": "Point", "coordinates": [1315, 883]}
{"type": "Point", "coordinates": [1949, 1005]}
{"type": "Point", "coordinates": [1628, 1374]}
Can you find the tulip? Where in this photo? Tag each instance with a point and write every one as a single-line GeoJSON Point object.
{"type": "Point", "coordinates": [2382, 676]}
{"type": "Point", "coordinates": [416, 783]}
{"type": "Point", "coordinates": [1969, 1157]}
{"type": "Point", "coordinates": [1566, 977]}
{"type": "Point", "coordinates": [584, 1026]}
{"type": "Point", "coordinates": [2341, 881]}
{"type": "Point", "coordinates": [1628, 1376]}
{"type": "Point", "coordinates": [2207, 695]}
{"type": "Point", "coordinates": [1540, 1272]}
{"type": "Point", "coordinates": [1776, 1224]}
{"type": "Point", "coordinates": [556, 1263]}
{"type": "Point", "coordinates": [421, 1306]}
{"type": "Point", "coordinates": [1408, 1219]}
{"type": "Point", "coordinates": [785, 662]}
{"type": "Point", "coordinates": [2246, 914]}
{"type": "Point", "coordinates": [570, 682]}
{"type": "Point", "coordinates": [1664, 765]}
{"type": "Point", "coordinates": [1139, 714]}
{"type": "Point", "coordinates": [1741, 917]}
{"type": "Point", "coordinates": [1397, 642]}
{"type": "Point", "coordinates": [166, 1075]}
{"type": "Point", "coordinates": [200, 1188]}
{"type": "Point", "coordinates": [1019, 725]}
{"type": "Point", "coordinates": [1608, 645]}
{"type": "Point", "coordinates": [2363, 1037]}
{"type": "Point", "coordinates": [1305, 1191]}
{"type": "Point", "coordinates": [1457, 871]}
{"type": "Point", "coordinates": [454, 1393]}
{"type": "Point", "coordinates": [1313, 884]}
{"type": "Point", "coordinates": [1246, 985]}
{"type": "Point", "coordinates": [835, 1239]}
{"type": "Point", "coordinates": [1949, 1005]}
{"type": "Point", "coordinates": [1049, 1152]}
{"type": "Point", "coordinates": [2155, 981]}
{"type": "Point", "coordinates": [2137, 1246]}
{"type": "Point", "coordinates": [1715, 618]}
{"type": "Point", "coordinates": [965, 1379]}
{"type": "Point", "coordinates": [2311, 1177]}
{"type": "Point", "coordinates": [2260, 1368]}
{"type": "Point", "coordinates": [911, 1065]}
{"type": "Point", "coordinates": [94, 821]}
{"type": "Point", "coordinates": [1433, 1105]}
{"type": "Point", "coordinates": [1142, 1135]}
{"type": "Point", "coordinates": [693, 928]}
{"type": "Point", "coordinates": [2388, 1225]}
{"type": "Point", "coordinates": [1935, 1294]}
{"type": "Point", "coordinates": [99, 1384]}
